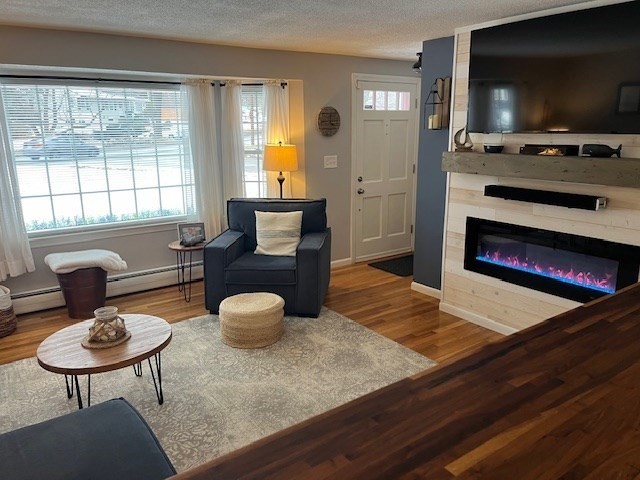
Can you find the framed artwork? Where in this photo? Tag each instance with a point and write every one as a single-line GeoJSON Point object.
{"type": "Point", "coordinates": [191, 233]}
{"type": "Point", "coordinates": [629, 98]}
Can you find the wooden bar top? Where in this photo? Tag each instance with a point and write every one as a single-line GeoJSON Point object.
{"type": "Point", "coordinates": [558, 400]}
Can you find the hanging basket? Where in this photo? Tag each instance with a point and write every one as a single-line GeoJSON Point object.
{"type": "Point", "coordinates": [8, 320]}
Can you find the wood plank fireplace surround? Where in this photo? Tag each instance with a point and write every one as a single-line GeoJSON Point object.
{"type": "Point", "coordinates": [492, 302]}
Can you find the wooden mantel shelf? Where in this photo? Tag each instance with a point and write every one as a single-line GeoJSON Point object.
{"type": "Point", "coordinates": [619, 172]}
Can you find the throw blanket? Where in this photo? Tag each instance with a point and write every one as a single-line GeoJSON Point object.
{"type": "Point", "coordinates": [67, 262]}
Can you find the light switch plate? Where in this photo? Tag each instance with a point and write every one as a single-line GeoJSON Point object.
{"type": "Point", "coordinates": [330, 161]}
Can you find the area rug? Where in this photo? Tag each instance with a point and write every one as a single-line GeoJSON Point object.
{"type": "Point", "coordinates": [401, 266]}
{"type": "Point", "coordinates": [219, 398]}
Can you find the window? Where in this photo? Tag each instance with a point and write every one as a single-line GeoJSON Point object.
{"type": "Point", "coordinates": [254, 135]}
{"type": "Point", "coordinates": [384, 100]}
{"type": "Point", "coordinates": [89, 154]}
{"type": "Point", "coordinates": [502, 106]}
{"type": "Point", "coordinates": [253, 130]}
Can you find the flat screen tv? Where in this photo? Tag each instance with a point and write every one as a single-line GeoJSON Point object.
{"type": "Point", "coordinates": [573, 72]}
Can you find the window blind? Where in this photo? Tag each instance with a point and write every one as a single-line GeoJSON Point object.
{"type": "Point", "coordinates": [253, 129]}
{"type": "Point", "coordinates": [93, 154]}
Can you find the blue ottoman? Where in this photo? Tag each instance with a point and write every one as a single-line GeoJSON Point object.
{"type": "Point", "coordinates": [103, 442]}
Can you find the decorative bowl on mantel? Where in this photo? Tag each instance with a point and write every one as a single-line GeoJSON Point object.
{"type": "Point", "coordinates": [493, 148]}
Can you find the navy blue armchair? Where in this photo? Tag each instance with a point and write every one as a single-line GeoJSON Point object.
{"type": "Point", "coordinates": [232, 267]}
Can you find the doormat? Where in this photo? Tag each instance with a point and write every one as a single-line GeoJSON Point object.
{"type": "Point", "coordinates": [402, 266]}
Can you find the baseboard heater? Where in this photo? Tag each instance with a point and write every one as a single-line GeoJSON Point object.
{"type": "Point", "coordinates": [130, 282]}
{"type": "Point", "coordinates": [115, 278]}
{"type": "Point", "coordinates": [545, 197]}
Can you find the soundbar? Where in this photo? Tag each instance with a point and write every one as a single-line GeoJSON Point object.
{"type": "Point", "coordinates": [545, 197]}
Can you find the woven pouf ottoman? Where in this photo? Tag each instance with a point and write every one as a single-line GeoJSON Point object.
{"type": "Point", "coordinates": [251, 320]}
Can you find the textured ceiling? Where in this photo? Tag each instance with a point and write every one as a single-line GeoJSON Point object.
{"type": "Point", "coordinates": [369, 28]}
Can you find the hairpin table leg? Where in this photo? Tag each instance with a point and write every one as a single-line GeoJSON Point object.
{"type": "Point", "coordinates": [74, 380]}
{"type": "Point", "coordinates": [69, 387]}
{"type": "Point", "coordinates": [157, 384]}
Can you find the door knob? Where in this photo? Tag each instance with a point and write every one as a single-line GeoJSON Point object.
{"type": "Point", "coordinates": [360, 191]}
{"type": "Point", "coordinates": [359, 179]}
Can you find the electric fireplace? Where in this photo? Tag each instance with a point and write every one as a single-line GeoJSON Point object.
{"type": "Point", "coordinates": [562, 264]}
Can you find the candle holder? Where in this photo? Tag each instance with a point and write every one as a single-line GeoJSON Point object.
{"type": "Point", "coordinates": [436, 105]}
{"type": "Point", "coordinates": [108, 329]}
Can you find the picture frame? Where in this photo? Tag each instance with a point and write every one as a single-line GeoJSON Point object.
{"type": "Point", "coordinates": [629, 98]}
{"type": "Point", "coordinates": [191, 233]}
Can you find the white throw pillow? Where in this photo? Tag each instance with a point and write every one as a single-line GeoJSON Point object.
{"type": "Point", "coordinates": [278, 233]}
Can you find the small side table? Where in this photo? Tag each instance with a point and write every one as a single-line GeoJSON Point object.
{"type": "Point", "coordinates": [181, 263]}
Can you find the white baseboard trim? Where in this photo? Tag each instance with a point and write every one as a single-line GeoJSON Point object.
{"type": "Point", "coordinates": [343, 262]}
{"type": "Point", "coordinates": [37, 302]}
{"type": "Point", "coordinates": [389, 253]}
{"type": "Point", "coordinates": [148, 281]}
{"type": "Point", "coordinates": [477, 319]}
{"type": "Point", "coordinates": [117, 285]}
{"type": "Point", "coordinates": [426, 290]}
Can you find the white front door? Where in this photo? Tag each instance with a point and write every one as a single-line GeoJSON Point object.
{"type": "Point", "coordinates": [386, 116]}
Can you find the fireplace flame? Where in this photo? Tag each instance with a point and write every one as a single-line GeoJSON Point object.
{"type": "Point", "coordinates": [604, 282]}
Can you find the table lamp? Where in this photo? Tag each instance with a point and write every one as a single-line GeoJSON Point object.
{"type": "Point", "coordinates": [280, 158]}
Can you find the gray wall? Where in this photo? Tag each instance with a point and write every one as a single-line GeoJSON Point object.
{"type": "Point", "coordinates": [437, 61]}
{"type": "Point", "coordinates": [326, 80]}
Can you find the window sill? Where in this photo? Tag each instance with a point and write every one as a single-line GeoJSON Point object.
{"type": "Point", "coordinates": [82, 235]}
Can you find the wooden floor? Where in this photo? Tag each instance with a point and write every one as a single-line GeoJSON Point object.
{"type": "Point", "coordinates": [560, 400]}
{"type": "Point", "coordinates": [372, 297]}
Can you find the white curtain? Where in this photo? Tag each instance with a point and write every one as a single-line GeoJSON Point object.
{"type": "Point", "coordinates": [201, 107]}
{"type": "Point", "coordinates": [232, 141]}
{"type": "Point", "coordinates": [15, 252]}
{"type": "Point", "coordinates": [276, 111]}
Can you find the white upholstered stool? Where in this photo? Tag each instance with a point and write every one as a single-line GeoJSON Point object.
{"type": "Point", "coordinates": [83, 278]}
{"type": "Point", "coordinates": [251, 320]}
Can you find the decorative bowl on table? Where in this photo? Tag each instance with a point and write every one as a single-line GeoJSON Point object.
{"type": "Point", "coordinates": [108, 329]}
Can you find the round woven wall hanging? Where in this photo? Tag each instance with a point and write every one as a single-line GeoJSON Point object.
{"type": "Point", "coordinates": [328, 121]}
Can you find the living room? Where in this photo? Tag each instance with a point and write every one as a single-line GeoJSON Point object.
{"type": "Point", "coordinates": [315, 80]}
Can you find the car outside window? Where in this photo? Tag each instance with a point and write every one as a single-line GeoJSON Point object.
{"type": "Point", "coordinates": [91, 155]}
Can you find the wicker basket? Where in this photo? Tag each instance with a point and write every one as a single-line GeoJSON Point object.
{"type": "Point", "coordinates": [8, 320]}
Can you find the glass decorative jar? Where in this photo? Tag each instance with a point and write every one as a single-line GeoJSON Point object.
{"type": "Point", "coordinates": [108, 326]}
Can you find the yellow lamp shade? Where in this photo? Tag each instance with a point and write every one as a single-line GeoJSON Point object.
{"type": "Point", "coordinates": [280, 158]}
